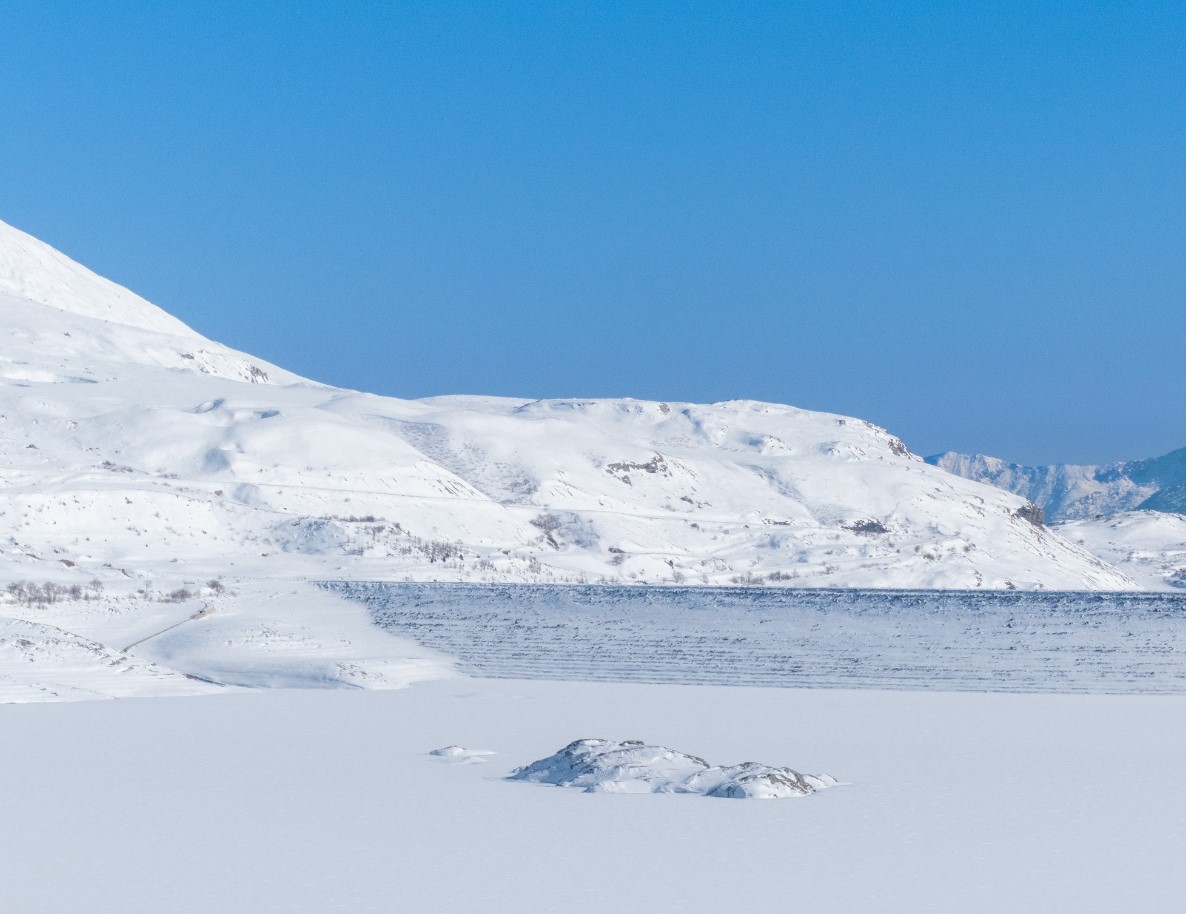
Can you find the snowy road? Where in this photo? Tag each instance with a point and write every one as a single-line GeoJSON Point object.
{"type": "Point", "coordinates": [1006, 642]}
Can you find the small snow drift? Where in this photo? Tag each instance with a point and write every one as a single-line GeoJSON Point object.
{"type": "Point", "coordinates": [459, 755]}
{"type": "Point", "coordinates": [631, 766]}
{"type": "Point", "coordinates": [41, 662]}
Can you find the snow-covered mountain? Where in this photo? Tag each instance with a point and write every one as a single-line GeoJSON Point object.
{"type": "Point", "coordinates": [130, 442]}
{"type": "Point", "coordinates": [1128, 513]}
{"type": "Point", "coordinates": [31, 271]}
{"type": "Point", "coordinates": [1069, 492]}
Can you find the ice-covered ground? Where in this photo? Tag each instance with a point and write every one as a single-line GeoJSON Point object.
{"type": "Point", "coordinates": [316, 801]}
{"type": "Point", "coordinates": [256, 634]}
{"type": "Point", "coordinates": [1030, 642]}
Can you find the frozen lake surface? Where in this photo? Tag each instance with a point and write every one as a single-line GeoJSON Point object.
{"type": "Point", "coordinates": [987, 641]}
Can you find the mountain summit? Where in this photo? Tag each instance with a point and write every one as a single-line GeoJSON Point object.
{"type": "Point", "coordinates": [33, 271]}
{"type": "Point", "coordinates": [63, 323]}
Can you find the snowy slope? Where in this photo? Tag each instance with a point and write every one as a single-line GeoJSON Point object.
{"type": "Point", "coordinates": [44, 663]}
{"type": "Point", "coordinates": [31, 270]}
{"type": "Point", "coordinates": [1149, 545]}
{"type": "Point", "coordinates": [128, 441]}
{"type": "Point", "coordinates": [1129, 513]}
{"type": "Point", "coordinates": [136, 453]}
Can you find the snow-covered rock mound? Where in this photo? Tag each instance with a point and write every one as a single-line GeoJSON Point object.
{"type": "Point", "coordinates": [629, 766]}
{"type": "Point", "coordinates": [755, 781]}
{"type": "Point", "coordinates": [632, 766]}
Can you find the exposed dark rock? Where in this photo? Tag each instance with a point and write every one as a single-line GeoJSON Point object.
{"type": "Point", "coordinates": [867, 527]}
{"type": "Point", "coordinates": [1031, 512]}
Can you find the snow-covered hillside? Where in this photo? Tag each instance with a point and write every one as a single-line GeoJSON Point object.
{"type": "Point", "coordinates": [132, 446]}
{"type": "Point", "coordinates": [32, 271]}
{"type": "Point", "coordinates": [144, 462]}
{"type": "Point", "coordinates": [1149, 545]}
{"type": "Point", "coordinates": [1128, 513]}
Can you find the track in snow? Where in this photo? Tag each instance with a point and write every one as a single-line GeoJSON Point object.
{"type": "Point", "coordinates": [998, 641]}
{"type": "Point", "coordinates": [202, 613]}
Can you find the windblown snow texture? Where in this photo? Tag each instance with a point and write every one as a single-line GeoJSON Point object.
{"type": "Point", "coordinates": [986, 641]}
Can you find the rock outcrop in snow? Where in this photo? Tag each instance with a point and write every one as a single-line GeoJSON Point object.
{"type": "Point", "coordinates": [632, 766]}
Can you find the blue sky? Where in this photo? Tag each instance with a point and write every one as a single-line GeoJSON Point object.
{"type": "Point", "coordinates": [965, 222]}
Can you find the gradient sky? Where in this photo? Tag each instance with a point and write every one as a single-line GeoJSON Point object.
{"type": "Point", "coordinates": [965, 222]}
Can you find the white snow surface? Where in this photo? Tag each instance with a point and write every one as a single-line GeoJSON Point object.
{"type": "Point", "coordinates": [31, 270]}
{"type": "Point", "coordinates": [631, 766]}
{"type": "Point", "coordinates": [313, 800]}
{"type": "Point", "coordinates": [128, 440]}
{"type": "Point", "coordinates": [1149, 545]}
{"type": "Point", "coordinates": [202, 490]}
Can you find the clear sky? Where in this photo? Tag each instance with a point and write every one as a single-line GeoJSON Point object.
{"type": "Point", "coordinates": [963, 221]}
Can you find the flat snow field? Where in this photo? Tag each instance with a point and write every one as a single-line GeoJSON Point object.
{"type": "Point", "coordinates": [305, 800]}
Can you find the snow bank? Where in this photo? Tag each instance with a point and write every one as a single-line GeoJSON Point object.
{"type": "Point", "coordinates": [459, 755]}
{"type": "Point", "coordinates": [632, 766]}
{"type": "Point", "coordinates": [45, 663]}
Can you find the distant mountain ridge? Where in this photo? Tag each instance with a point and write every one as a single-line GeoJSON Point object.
{"type": "Point", "coordinates": [1068, 492]}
